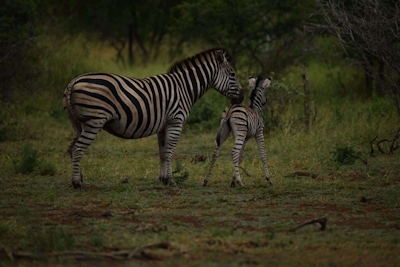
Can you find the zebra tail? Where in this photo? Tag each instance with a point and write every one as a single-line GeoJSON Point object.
{"type": "Point", "coordinates": [67, 101]}
{"type": "Point", "coordinates": [223, 132]}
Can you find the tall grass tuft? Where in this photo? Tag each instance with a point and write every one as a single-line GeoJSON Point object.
{"type": "Point", "coordinates": [346, 155]}
{"type": "Point", "coordinates": [54, 238]}
{"type": "Point", "coordinates": [28, 160]}
{"type": "Point", "coordinates": [45, 167]}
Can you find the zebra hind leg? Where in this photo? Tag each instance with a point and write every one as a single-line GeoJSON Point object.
{"type": "Point", "coordinates": [78, 131]}
{"type": "Point", "coordinates": [221, 137]}
{"type": "Point", "coordinates": [88, 133]}
{"type": "Point", "coordinates": [237, 157]}
{"type": "Point", "coordinates": [260, 143]}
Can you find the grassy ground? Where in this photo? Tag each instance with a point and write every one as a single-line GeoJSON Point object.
{"type": "Point", "coordinates": [126, 211]}
{"type": "Point", "coordinates": [125, 207]}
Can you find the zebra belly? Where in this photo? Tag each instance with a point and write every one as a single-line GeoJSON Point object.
{"type": "Point", "coordinates": [117, 128]}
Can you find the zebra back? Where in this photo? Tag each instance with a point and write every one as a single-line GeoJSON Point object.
{"type": "Point", "coordinates": [135, 108]}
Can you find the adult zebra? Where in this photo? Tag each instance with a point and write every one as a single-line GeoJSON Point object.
{"type": "Point", "coordinates": [135, 108]}
{"type": "Point", "coordinates": [245, 122]}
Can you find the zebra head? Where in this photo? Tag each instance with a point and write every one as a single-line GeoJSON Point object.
{"type": "Point", "coordinates": [257, 93]}
{"type": "Point", "coordinates": [226, 81]}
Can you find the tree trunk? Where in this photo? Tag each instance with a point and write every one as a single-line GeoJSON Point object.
{"type": "Point", "coordinates": [368, 84]}
{"type": "Point", "coordinates": [379, 88]}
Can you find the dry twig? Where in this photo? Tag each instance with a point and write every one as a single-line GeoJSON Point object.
{"type": "Point", "coordinates": [243, 169]}
{"type": "Point", "coordinates": [117, 255]}
{"type": "Point", "coordinates": [301, 173]}
{"type": "Point", "coordinates": [319, 221]}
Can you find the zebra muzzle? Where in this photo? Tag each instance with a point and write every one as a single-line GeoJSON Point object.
{"type": "Point", "coordinates": [238, 99]}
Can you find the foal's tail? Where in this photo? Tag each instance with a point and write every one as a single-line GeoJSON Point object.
{"type": "Point", "coordinates": [224, 128]}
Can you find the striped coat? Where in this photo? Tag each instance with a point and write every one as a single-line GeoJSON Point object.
{"type": "Point", "coordinates": [244, 122]}
{"type": "Point", "coordinates": [134, 108]}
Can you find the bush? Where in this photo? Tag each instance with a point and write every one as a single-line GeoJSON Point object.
{"type": "Point", "coordinates": [346, 155]}
{"type": "Point", "coordinates": [280, 96]}
{"type": "Point", "coordinates": [206, 113]}
{"type": "Point", "coordinates": [54, 238]}
{"type": "Point", "coordinates": [45, 168]}
{"type": "Point", "coordinates": [30, 162]}
{"type": "Point", "coordinates": [17, 57]}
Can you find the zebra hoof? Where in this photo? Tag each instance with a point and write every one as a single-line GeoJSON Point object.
{"type": "Point", "coordinates": [233, 184]}
{"type": "Point", "coordinates": [205, 183]}
{"type": "Point", "coordinates": [168, 181]}
{"type": "Point", "coordinates": [164, 180]}
{"type": "Point", "coordinates": [77, 184]}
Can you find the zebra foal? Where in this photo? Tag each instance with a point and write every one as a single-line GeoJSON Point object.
{"type": "Point", "coordinates": [244, 122]}
{"type": "Point", "coordinates": [134, 108]}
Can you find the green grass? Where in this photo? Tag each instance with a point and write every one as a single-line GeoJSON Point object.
{"type": "Point", "coordinates": [125, 207]}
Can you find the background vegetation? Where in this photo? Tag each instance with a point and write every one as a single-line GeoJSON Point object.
{"type": "Point", "coordinates": [331, 137]}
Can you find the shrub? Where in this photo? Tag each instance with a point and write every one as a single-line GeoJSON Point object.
{"type": "Point", "coordinates": [28, 161]}
{"type": "Point", "coordinates": [206, 113]}
{"type": "Point", "coordinates": [45, 168]}
{"type": "Point", "coordinates": [280, 96]}
{"type": "Point", "coordinates": [346, 155]}
{"type": "Point", "coordinates": [54, 238]}
{"type": "Point", "coordinates": [180, 174]}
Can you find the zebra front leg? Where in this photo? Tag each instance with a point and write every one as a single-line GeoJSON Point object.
{"type": "Point", "coordinates": [260, 143]}
{"type": "Point", "coordinates": [167, 140]}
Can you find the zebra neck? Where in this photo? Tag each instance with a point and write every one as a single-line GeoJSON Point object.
{"type": "Point", "coordinates": [194, 86]}
{"type": "Point", "coordinates": [256, 105]}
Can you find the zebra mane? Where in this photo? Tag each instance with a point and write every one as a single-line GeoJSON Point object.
{"type": "Point", "coordinates": [253, 92]}
{"type": "Point", "coordinates": [177, 66]}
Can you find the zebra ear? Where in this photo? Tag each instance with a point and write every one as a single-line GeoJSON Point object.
{"type": "Point", "coordinates": [266, 82]}
{"type": "Point", "coordinates": [220, 56]}
{"type": "Point", "coordinates": [252, 82]}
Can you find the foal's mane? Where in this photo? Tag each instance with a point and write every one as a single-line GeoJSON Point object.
{"type": "Point", "coordinates": [254, 91]}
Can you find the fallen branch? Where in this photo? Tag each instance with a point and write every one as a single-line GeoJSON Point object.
{"type": "Point", "coordinates": [117, 255]}
{"type": "Point", "coordinates": [372, 145]}
{"type": "Point", "coordinates": [301, 173]}
{"type": "Point", "coordinates": [320, 221]}
{"type": "Point", "coordinates": [243, 169]}
{"type": "Point", "coordinates": [137, 251]}
{"type": "Point", "coordinates": [31, 255]}
{"type": "Point", "coordinates": [379, 143]}
{"type": "Point", "coordinates": [365, 200]}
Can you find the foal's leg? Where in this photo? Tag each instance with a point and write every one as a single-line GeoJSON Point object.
{"type": "Point", "coordinates": [237, 155]}
{"type": "Point", "coordinates": [89, 131]}
{"type": "Point", "coordinates": [260, 142]}
{"type": "Point", "coordinates": [241, 155]}
{"type": "Point", "coordinates": [221, 137]}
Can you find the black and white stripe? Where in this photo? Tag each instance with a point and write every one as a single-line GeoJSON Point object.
{"type": "Point", "coordinates": [135, 108]}
{"type": "Point", "coordinates": [244, 122]}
